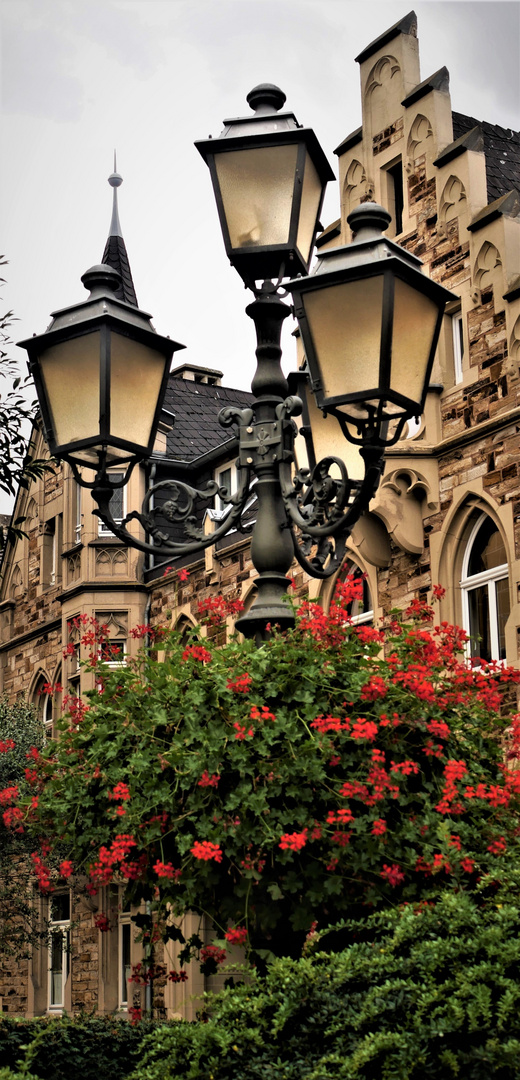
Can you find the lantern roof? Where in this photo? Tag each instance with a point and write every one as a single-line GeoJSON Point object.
{"type": "Point", "coordinates": [115, 253]}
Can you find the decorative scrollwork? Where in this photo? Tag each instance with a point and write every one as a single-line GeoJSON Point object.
{"type": "Point", "coordinates": [323, 506]}
{"type": "Point", "coordinates": [179, 509]}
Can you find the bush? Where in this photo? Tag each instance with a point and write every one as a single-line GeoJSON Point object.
{"type": "Point", "coordinates": [315, 778]}
{"type": "Point", "coordinates": [70, 1048]}
{"type": "Point", "coordinates": [425, 993]}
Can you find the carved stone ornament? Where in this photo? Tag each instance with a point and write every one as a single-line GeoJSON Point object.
{"type": "Point", "coordinates": [399, 505]}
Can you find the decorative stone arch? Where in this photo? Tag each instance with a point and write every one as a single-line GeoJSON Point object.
{"type": "Point", "coordinates": [486, 263]}
{"type": "Point", "coordinates": [383, 95]}
{"type": "Point", "coordinates": [328, 587]}
{"type": "Point", "coordinates": [513, 360]}
{"type": "Point", "coordinates": [354, 187]}
{"type": "Point", "coordinates": [420, 131]}
{"type": "Point", "coordinates": [183, 625]}
{"type": "Point", "coordinates": [31, 515]}
{"type": "Point", "coordinates": [16, 588]}
{"type": "Point", "coordinates": [382, 73]}
{"type": "Point", "coordinates": [453, 199]}
{"type": "Point", "coordinates": [455, 536]}
{"type": "Point", "coordinates": [43, 701]}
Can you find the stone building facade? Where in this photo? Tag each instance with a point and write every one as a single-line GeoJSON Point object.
{"type": "Point", "coordinates": [448, 508]}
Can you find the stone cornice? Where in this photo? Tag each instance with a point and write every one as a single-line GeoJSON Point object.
{"type": "Point", "coordinates": [38, 631]}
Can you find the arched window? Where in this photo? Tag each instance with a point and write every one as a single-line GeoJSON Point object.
{"type": "Point", "coordinates": [485, 591]}
{"type": "Point", "coordinates": [361, 611]}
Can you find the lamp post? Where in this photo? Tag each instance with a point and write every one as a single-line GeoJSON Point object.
{"type": "Point", "coordinates": [369, 320]}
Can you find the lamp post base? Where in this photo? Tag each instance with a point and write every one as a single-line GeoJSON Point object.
{"type": "Point", "coordinates": [269, 611]}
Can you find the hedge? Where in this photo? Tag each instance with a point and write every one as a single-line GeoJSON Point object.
{"type": "Point", "coordinates": [82, 1047]}
{"type": "Point", "coordinates": [426, 993]}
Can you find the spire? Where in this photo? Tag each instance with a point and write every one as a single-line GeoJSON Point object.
{"type": "Point", "coordinates": [115, 253]}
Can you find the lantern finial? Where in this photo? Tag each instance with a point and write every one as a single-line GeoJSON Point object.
{"type": "Point", "coordinates": [115, 253]}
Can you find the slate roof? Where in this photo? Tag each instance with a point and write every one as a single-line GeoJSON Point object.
{"type": "Point", "coordinates": [502, 150]}
{"type": "Point", "coordinates": [115, 255]}
{"type": "Point", "coordinates": [196, 431]}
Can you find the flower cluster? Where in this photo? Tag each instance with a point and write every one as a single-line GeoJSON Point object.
{"type": "Point", "coordinates": [5, 745]}
{"type": "Point", "coordinates": [212, 952]}
{"type": "Point", "coordinates": [167, 870]}
{"type": "Point", "coordinates": [196, 652]}
{"type": "Point", "coordinates": [215, 609]}
{"type": "Point", "coordinates": [236, 935]}
{"type": "Point", "coordinates": [240, 684]}
{"type": "Point", "coordinates": [205, 850]}
{"type": "Point", "coordinates": [294, 841]}
{"type": "Point", "coordinates": [208, 781]}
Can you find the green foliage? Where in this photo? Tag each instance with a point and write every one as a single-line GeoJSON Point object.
{"type": "Point", "coordinates": [20, 730]}
{"type": "Point", "coordinates": [423, 993]}
{"type": "Point", "coordinates": [17, 466]}
{"type": "Point", "coordinates": [306, 781]}
{"type": "Point", "coordinates": [64, 1047]}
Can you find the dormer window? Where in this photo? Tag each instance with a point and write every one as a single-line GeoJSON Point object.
{"type": "Point", "coordinates": [226, 478]}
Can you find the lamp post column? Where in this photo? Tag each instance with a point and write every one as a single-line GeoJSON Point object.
{"type": "Point", "coordinates": [263, 445]}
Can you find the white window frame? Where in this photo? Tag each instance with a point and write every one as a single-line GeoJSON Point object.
{"type": "Point", "coordinates": [487, 578]}
{"type": "Point", "coordinates": [78, 523]}
{"type": "Point", "coordinates": [61, 926]}
{"type": "Point", "coordinates": [103, 530]}
{"type": "Point", "coordinates": [457, 337]}
{"type": "Point", "coordinates": [124, 930]}
{"type": "Point", "coordinates": [223, 508]}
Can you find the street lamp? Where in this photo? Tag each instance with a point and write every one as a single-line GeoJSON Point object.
{"type": "Point", "coordinates": [369, 321]}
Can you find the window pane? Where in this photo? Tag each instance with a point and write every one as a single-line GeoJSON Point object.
{"type": "Point", "coordinates": [488, 549]}
{"type": "Point", "coordinates": [126, 970]}
{"type": "Point", "coordinates": [479, 629]}
{"type": "Point", "coordinates": [503, 608]}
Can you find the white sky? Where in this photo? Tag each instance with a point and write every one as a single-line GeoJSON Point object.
{"type": "Point", "coordinates": [149, 77]}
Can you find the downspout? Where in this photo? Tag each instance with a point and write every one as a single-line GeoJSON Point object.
{"type": "Point", "coordinates": [148, 990]}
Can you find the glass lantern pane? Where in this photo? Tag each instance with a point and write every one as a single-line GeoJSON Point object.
{"type": "Point", "coordinates": [310, 204]}
{"type": "Point", "coordinates": [70, 373]}
{"type": "Point", "coordinates": [345, 325]}
{"type": "Point", "coordinates": [415, 319]}
{"type": "Point", "coordinates": [136, 378]}
{"type": "Point", "coordinates": [328, 439]}
{"type": "Point", "coordinates": [257, 188]}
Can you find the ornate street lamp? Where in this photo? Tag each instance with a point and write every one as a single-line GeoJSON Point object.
{"type": "Point", "coordinates": [101, 372]}
{"type": "Point", "coordinates": [369, 322]}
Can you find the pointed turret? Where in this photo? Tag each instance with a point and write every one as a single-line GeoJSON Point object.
{"type": "Point", "coordinates": [115, 253]}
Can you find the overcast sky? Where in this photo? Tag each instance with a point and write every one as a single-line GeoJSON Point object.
{"type": "Point", "coordinates": [149, 77]}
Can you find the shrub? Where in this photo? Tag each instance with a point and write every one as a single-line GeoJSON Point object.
{"type": "Point", "coordinates": [66, 1048]}
{"type": "Point", "coordinates": [424, 993]}
{"type": "Point", "coordinates": [314, 778]}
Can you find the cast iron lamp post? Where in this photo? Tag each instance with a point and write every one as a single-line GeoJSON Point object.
{"type": "Point", "coordinates": [369, 320]}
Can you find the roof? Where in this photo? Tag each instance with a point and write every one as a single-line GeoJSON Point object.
{"type": "Point", "coordinates": [196, 431]}
{"type": "Point", "coordinates": [406, 25]}
{"type": "Point", "coordinates": [502, 150]}
{"type": "Point", "coordinates": [115, 253]}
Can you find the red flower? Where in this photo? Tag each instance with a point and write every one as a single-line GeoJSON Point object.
{"type": "Point", "coordinates": [241, 684]}
{"type": "Point", "coordinates": [101, 922]}
{"type": "Point", "coordinates": [497, 847]}
{"type": "Point", "coordinates": [183, 574]}
{"type": "Point", "coordinates": [205, 850]}
{"type": "Point", "coordinates": [196, 652]}
{"type": "Point", "coordinates": [240, 731]}
{"type": "Point", "coordinates": [121, 791]}
{"type": "Point", "coordinates": [379, 827]}
{"type": "Point", "coordinates": [167, 870]}
{"type": "Point", "coordinates": [212, 952]}
{"type": "Point", "coordinates": [208, 781]}
{"type": "Point", "coordinates": [66, 868]}
{"type": "Point", "coordinates": [236, 936]}
{"type": "Point", "coordinates": [393, 874]}
{"type": "Point", "coordinates": [6, 745]}
{"type": "Point", "coordinates": [438, 592]}
{"type": "Point", "coordinates": [375, 688]}
{"type": "Point", "coordinates": [294, 841]}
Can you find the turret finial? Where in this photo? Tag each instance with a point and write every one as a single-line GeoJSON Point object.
{"type": "Point", "coordinates": [115, 181]}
